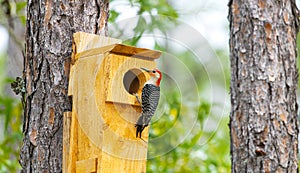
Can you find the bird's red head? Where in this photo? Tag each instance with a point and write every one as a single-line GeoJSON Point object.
{"type": "Point", "coordinates": [159, 77]}
{"type": "Point", "coordinates": [155, 74]}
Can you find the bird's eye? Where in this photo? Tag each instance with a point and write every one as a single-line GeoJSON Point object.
{"type": "Point", "coordinates": [153, 71]}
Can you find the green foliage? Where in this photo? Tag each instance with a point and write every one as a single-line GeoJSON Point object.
{"type": "Point", "coordinates": [10, 108]}
{"type": "Point", "coordinates": [12, 10]}
{"type": "Point", "coordinates": [11, 111]}
{"type": "Point", "coordinates": [10, 115]}
{"type": "Point", "coordinates": [200, 150]}
{"type": "Point", "coordinates": [151, 17]}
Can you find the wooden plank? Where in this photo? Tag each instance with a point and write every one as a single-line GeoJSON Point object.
{"type": "Point", "coordinates": [90, 124]}
{"type": "Point", "coordinates": [85, 41]}
{"type": "Point", "coordinates": [71, 80]}
{"type": "Point", "coordinates": [66, 139]}
{"type": "Point", "coordinates": [89, 117]}
{"type": "Point", "coordinates": [72, 154]}
{"type": "Point", "coordinates": [122, 50]}
{"type": "Point", "coordinates": [121, 119]}
{"type": "Point", "coordinates": [87, 166]}
{"type": "Point", "coordinates": [135, 52]}
{"type": "Point", "coordinates": [123, 152]}
{"type": "Point", "coordinates": [112, 164]}
{"type": "Point", "coordinates": [72, 157]}
{"type": "Point", "coordinates": [97, 51]}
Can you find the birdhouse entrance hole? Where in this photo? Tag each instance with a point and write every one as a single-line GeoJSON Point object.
{"type": "Point", "coordinates": [134, 80]}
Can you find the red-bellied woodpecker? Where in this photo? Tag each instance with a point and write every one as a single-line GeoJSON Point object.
{"type": "Point", "coordinates": [150, 98]}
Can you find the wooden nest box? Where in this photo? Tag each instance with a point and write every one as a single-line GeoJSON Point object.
{"type": "Point", "coordinates": [99, 133]}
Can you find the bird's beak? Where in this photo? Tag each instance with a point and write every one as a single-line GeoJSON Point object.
{"type": "Point", "coordinates": [147, 70]}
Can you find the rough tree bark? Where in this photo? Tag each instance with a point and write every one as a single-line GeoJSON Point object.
{"type": "Point", "coordinates": [263, 120]}
{"type": "Point", "coordinates": [49, 30]}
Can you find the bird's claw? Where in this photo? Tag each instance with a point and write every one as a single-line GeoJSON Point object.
{"type": "Point", "coordinates": [137, 97]}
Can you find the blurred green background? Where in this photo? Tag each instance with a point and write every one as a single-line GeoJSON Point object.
{"type": "Point", "coordinates": [189, 132]}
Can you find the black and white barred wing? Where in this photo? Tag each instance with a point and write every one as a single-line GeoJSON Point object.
{"type": "Point", "coordinates": [150, 99]}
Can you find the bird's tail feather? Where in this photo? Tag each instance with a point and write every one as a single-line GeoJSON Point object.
{"type": "Point", "coordinates": [140, 126]}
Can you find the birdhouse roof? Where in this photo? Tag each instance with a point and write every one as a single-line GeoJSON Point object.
{"type": "Point", "coordinates": [134, 51]}
{"type": "Point", "coordinates": [121, 49]}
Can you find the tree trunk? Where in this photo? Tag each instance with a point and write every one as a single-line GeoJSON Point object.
{"type": "Point", "coordinates": [49, 30]}
{"type": "Point", "coordinates": [263, 120]}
